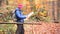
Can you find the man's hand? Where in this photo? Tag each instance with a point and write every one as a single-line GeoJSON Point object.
{"type": "Point", "coordinates": [26, 19]}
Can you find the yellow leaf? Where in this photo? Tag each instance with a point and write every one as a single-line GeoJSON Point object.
{"type": "Point", "coordinates": [45, 12]}
{"type": "Point", "coordinates": [42, 14]}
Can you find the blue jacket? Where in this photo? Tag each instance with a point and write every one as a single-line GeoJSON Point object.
{"type": "Point", "coordinates": [19, 16]}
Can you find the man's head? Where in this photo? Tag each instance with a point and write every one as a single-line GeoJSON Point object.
{"type": "Point", "coordinates": [20, 6]}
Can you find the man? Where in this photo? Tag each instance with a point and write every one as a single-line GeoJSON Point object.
{"type": "Point", "coordinates": [20, 18]}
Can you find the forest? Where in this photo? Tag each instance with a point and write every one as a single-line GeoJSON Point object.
{"type": "Point", "coordinates": [43, 12]}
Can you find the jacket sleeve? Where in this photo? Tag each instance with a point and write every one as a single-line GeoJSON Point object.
{"type": "Point", "coordinates": [20, 15]}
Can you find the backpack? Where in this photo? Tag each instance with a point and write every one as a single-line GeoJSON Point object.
{"type": "Point", "coordinates": [13, 15]}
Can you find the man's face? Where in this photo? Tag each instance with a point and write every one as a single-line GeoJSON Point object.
{"type": "Point", "coordinates": [21, 8]}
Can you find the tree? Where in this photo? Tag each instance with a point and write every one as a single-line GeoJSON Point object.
{"type": "Point", "coordinates": [1, 2]}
